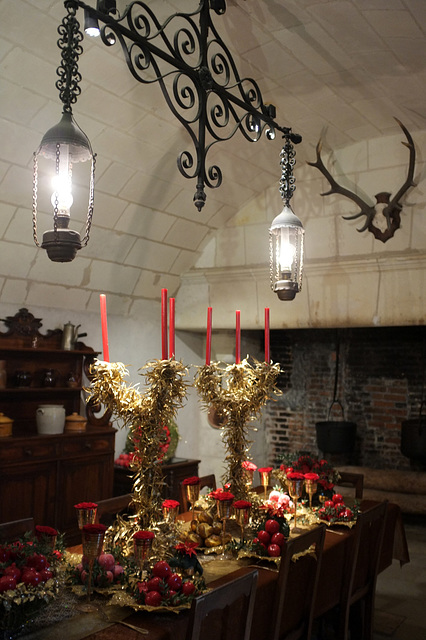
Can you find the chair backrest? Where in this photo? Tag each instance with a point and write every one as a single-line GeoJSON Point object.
{"type": "Point", "coordinates": [109, 508]}
{"type": "Point", "coordinates": [226, 612]}
{"type": "Point", "coordinates": [208, 481]}
{"type": "Point", "coordinates": [10, 531]}
{"type": "Point", "coordinates": [362, 567]}
{"type": "Point", "coordinates": [300, 625]}
{"type": "Point", "coordinates": [355, 480]}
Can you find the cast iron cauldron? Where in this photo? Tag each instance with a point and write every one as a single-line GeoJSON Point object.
{"type": "Point", "coordinates": [413, 438]}
{"type": "Point", "coordinates": [336, 436]}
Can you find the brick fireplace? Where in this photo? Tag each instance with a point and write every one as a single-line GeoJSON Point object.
{"type": "Point", "coordinates": [380, 383]}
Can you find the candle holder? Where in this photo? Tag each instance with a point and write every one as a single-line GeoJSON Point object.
{"type": "Point", "coordinates": [265, 479]}
{"type": "Point", "coordinates": [295, 490]}
{"type": "Point", "coordinates": [93, 540]}
{"type": "Point", "coordinates": [242, 515]}
{"type": "Point", "coordinates": [142, 543]}
{"type": "Point", "coordinates": [224, 512]}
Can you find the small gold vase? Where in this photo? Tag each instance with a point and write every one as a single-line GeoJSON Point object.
{"type": "Point", "coordinates": [170, 513]}
{"type": "Point", "coordinates": [265, 481]}
{"type": "Point", "coordinates": [141, 546]}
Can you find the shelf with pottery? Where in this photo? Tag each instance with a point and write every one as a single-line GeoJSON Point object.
{"type": "Point", "coordinates": [54, 449]}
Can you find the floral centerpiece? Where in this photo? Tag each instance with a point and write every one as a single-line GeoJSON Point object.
{"type": "Point", "coordinates": [306, 464]}
{"type": "Point", "coordinates": [335, 511]}
{"type": "Point", "coordinates": [27, 576]}
{"type": "Point", "coordinates": [167, 447]}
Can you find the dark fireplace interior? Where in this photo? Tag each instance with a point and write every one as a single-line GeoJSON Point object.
{"type": "Point", "coordinates": [380, 385]}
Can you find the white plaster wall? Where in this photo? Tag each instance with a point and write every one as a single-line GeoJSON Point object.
{"type": "Point", "coordinates": [350, 278]}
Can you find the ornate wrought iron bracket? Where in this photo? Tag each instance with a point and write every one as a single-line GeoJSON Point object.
{"type": "Point", "coordinates": [197, 75]}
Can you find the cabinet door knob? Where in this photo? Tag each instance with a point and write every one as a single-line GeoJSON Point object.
{"type": "Point", "coordinates": [28, 452]}
{"type": "Point", "coordinates": [88, 445]}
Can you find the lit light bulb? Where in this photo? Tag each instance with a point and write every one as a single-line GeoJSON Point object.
{"type": "Point", "coordinates": [62, 185]}
{"type": "Point", "coordinates": [287, 251]}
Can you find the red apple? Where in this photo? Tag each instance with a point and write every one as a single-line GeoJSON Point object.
{"type": "Point", "coordinates": [329, 503]}
{"type": "Point", "coordinates": [13, 571]}
{"type": "Point", "coordinates": [272, 526]}
{"type": "Point", "coordinates": [45, 575]}
{"type": "Point", "coordinates": [337, 497]}
{"type": "Point", "coordinates": [6, 583]}
{"type": "Point", "coordinates": [106, 561]}
{"type": "Point", "coordinates": [161, 569]}
{"type": "Point", "coordinates": [264, 537]}
{"type": "Point", "coordinates": [154, 584]}
{"type": "Point", "coordinates": [153, 598]}
{"type": "Point", "coordinates": [274, 550]}
{"type": "Point", "coordinates": [188, 588]}
{"type": "Point", "coordinates": [30, 576]}
{"type": "Point", "coordinates": [37, 561]}
{"type": "Point", "coordinates": [174, 581]}
{"type": "Point", "coordinates": [118, 571]}
{"type": "Point", "coordinates": [278, 538]}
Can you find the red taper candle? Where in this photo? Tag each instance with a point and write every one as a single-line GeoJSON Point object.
{"type": "Point", "coordinates": [209, 335]}
{"type": "Point", "coordinates": [237, 337]}
{"type": "Point", "coordinates": [164, 324]}
{"type": "Point", "coordinates": [104, 326]}
{"type": "Point", "coordinates": [172, 329]}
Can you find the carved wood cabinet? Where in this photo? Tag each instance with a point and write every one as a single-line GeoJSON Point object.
{"type": "Point", "coordinates": [43, 476]}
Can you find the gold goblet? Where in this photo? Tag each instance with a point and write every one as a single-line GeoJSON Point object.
{"type": "Point", "coordinates": [311, 486]}
{"type": "Point", "coordinates": [224, 512]}
{"type": "Point", "coordinates": [142, 543]}
{"type": "Point", "coordinates": [192, 493]}
{"type": "Point", "coordinates": [242, 515]}
{"type": "Point", "coordinates": [295, 490]}
{"type": "Point", "coordinates": [93, 540]}
{"type": "Point", "coordinates": [86, 513]}
{"type": "Point", "coordinates": [265, 479]}
{"type": "Point", "coordinates": [170, 510]}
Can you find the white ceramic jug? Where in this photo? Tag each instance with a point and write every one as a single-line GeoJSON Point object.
{"type": "Point", "coordinates": [50, 419]}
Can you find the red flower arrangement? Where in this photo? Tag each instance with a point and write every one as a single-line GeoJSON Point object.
{"type": "Point", "coordinates": [328, 476]}
{"type": "Point", "coordinates": [170, 504]}
{"type": "Point", "coordinates": [313, 477]}
{"type": "Point", "coordinates": [264, 469]}
{"type": "Point", "coordinates": [143, 535]}
{"type": "Point", "coordinates": [295, 475]}
{"type": "Point", "coordinates": [192, 480]}
{"type": "Point", "coordinates": [241, 504]}
{"type": "Point", "coordinates": [41, 530]}
{"type": "Point", "coordinates": [223, 495]}
{"type": "Point", "coordinates": [86, 505]}
{"type": "Point", "coordinates": [187, 548]}
{"type": "Point", "coordinates": [94, 529]}
{"type": "Point", "coordinates": [246, 464]}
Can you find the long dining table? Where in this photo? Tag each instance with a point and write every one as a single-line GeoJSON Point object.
{"type": "Point", "coordinates": [165, 625]}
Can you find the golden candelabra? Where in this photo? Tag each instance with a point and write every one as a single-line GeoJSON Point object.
{"type": "Point", "coordinates": [144, 414]}
{"type": "Point", "coordinates": [237, 392]}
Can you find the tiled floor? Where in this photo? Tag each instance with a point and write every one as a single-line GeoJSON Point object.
{"type": "Point", "coordinates": [401, 591]}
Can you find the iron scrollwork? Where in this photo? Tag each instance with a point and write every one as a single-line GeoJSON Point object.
{"type": "Point", "coordinates": [198, 78]}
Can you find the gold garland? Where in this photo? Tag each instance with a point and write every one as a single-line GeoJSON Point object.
{"type": "Point", "coordinates": [144, 414]}
{"type": "Point", "coordinates": [237, 393]}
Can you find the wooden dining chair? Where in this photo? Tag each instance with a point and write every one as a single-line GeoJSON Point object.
{"type": "Point", "coordinates": [300, 625]}
{"type": "Point", "coordinates": [208, 481]}
{"type": "Point", "coordinates": [354, 616]}
{"type": "Point", "coordinates": [355, 480]}
{"type": "Point", "coordinates": [110, 507]}
{"type": "Point", "coordinates": [224, 613]}
{"type": "Point", "coordinates": [11, 531]}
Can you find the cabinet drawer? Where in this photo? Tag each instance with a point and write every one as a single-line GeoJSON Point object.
{"type": "Point", "coordinates": [87, 446]}
{"type": "Point", "coordinates": [13, 453]}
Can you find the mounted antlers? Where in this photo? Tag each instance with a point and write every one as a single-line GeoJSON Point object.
{"type": "Point", "coordinates": [393, 208]}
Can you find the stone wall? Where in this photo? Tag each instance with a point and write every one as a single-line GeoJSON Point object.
{"type": "Point", "coordinates": [381, 373]}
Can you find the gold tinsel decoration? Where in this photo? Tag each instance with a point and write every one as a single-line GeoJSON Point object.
{"type": "Point", "coordinates": [145, 414]}
{"type": "Point", "coordinates": [237, 392]}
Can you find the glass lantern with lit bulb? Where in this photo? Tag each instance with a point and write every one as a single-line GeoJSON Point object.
{"type": "Point", "coordinates": [286, 234]}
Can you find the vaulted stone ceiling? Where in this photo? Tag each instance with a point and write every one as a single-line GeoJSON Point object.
{"type": "Point", "coordinates": [341, 69]}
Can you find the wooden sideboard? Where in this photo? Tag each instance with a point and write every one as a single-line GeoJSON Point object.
{"type": "Point", "coordinates": [43, 476]}
{"type": "Point", "coordinates": [176, 470]}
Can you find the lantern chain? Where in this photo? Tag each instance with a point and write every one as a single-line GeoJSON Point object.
{"type": "Point", "coordinates": [71, 49]}
{"type": "Point", "coordinates": [35, 188]}
{"type": "Point", "coordinates": [287, 162]}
